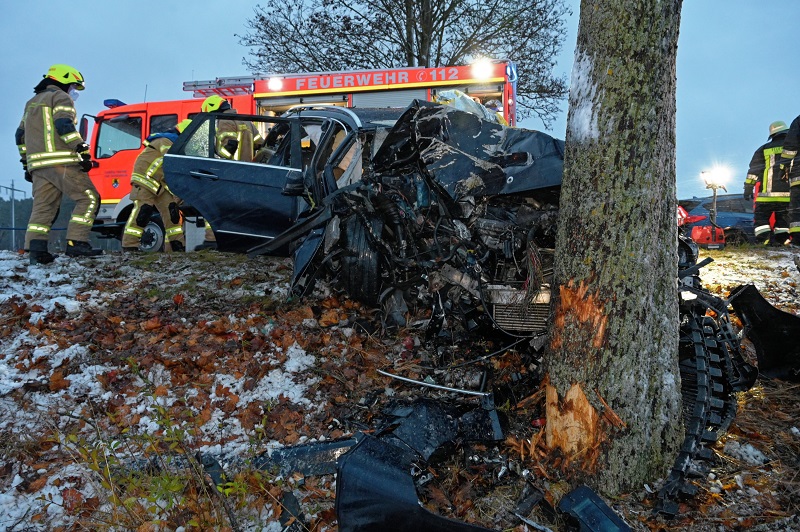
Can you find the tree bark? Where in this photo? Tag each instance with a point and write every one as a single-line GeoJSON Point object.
{"type": "Point", "coordinates": [613, 386]}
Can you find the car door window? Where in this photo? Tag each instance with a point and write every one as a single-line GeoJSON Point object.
{"type": "Point", "coordinates": [198, 144]}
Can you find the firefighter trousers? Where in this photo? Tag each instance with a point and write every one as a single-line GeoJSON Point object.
{"type": "Point", "coordinates": [761, 215]}
{"type": "Point", "coordinates": [794, 213]}
{"type": "Point", "coordinates": [173, 231]}
{"type": "Point", "coordinates": [50, 184]}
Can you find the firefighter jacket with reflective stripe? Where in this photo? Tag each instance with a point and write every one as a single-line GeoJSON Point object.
{"type": "Point", "coordinates": [790, 148]}
{"type": "Point", "coordinates": [148, 171]}
{"type": "Point", "coordinates": [765, 167]}
{"type": "Point", "coordinates": [246, 135]}
{"type": "Point", "coordinates": [42, 144]}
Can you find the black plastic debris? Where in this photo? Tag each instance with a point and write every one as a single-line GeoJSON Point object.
{"type": "Point", "coordinates": [590, 512]}
{"type": "Point", "coordinates": [309, 459]}
{"type": "Point", "coordinates": [774, 333]}
{"type": "Point", "coordinates": [375, 491]}
{"type": "Point", "coordinates": [291, 518]}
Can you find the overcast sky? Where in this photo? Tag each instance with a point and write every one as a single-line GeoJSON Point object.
{"type": "Point", "coordinates": [737, 69]}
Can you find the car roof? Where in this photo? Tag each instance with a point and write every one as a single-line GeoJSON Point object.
{"type": "Point", "coordinates": [358, 117]}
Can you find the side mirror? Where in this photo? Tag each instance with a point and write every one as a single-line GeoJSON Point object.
{"type": "Point", "coordinates": [294, 185]}
{"type": "Point", "coordinates": [83, 129]}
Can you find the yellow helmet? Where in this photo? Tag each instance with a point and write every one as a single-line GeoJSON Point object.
{"type": "Point", "coordinates": [65, 74]}
{"type": "Point", "coordinates": [183, 124]}
{"type": "Point", "coordinates": [214, 103]}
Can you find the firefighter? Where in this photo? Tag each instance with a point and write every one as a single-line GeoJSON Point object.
{"type": "Point", "coordinates": [236, 140]}
{"type": "Point", "coordinates": [150, 193]}
{"type": "Point", "coordinates": [791, 164]}
{"type": "Point", "coordinates": [497, 108]}
{"type": "Point", "coordinates": [55, 159]}
{"type": "Point", "coordinates": [773, 196]}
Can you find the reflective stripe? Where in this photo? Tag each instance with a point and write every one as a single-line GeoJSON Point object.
{"type": "Point", "coordinates": [65, 109]}
{"type": "Point", "coordinates": [49, 137]}
{"type": "Point", "coordinates": [789, 154]}
{"type": "Point", "coordinates": [48, 155]}
{"type": "Point", "coordinates": [22, 149]}
{"type": "Point", "coordinates": [146, 182]}
{"type": "Point", "coordinates": [69, 137]}
{"type": "Point", "coordinates": [40, 229]}
{"type": "Point", "coordinates": [87, 218]}
{"type": "Point", "coordinates": [773, 197]}
{"type": "Point", "coordinates": [761, 229]}
{"type": "Point", "coordinates": [33, 165]}
{"type": "Point", "coordinates": [221, 143]}
{"type": "Point", "coordinates": [794, 227]}
{"type": "Point", "coordinates": [794, 181]}
{"type": "Point", "coordinates": [133, 231]}
{"type": "Point", "coordinates": [751, 179]}
{"type": "Point", "coordinates": [172, 231]}
{"type": "Point", "coordinates": [153, 168]}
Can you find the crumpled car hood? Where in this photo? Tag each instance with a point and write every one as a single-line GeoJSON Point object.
{"type": "Point", "coordinates": [470, 156]}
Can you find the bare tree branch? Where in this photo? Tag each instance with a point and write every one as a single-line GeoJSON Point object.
{"type": "Point", "coordinates": [327, 35]}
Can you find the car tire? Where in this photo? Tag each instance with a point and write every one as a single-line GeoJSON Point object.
{"type": "Point", "coordinates": [360, 273]}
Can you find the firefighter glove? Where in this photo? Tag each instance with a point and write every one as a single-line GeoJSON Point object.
{"type": "Point", "coordinates": [145, 212]}
{"type": "Point", "coordinates": [174, 213]}
{"type": "Point", "coordinates": [231, 145]}
{"type": "Point", "coordinates": [748, 192]}
{"type": "Point", "coordinates": [28, 176]}
{"type": "Point", "coordinates": [86, 159]}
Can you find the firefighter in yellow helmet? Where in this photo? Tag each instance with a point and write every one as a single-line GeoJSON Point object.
{"type": "Point", "coordinates": [56, 160]}
{"type": "Point", "coordinates": [237, 140]}
{"type": "Point", "coordinates": [150, 193]}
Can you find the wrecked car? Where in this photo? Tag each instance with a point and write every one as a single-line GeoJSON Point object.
{"type": "Point", "coordinates": [399, 217]}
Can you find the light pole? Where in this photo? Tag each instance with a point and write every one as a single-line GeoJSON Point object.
{"type": "Point", "coordinates": [714, 179]}
{"type": "Point", "coordinates": [13, 216]}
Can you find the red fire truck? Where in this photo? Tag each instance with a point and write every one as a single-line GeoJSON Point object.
{"type": "Point", "coordinates": [119, 130]}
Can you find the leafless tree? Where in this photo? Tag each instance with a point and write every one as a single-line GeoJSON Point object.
{"type": "Point", "coordinates": [613, 398]}
{"type": "Point", "coordinates": [326, 35]}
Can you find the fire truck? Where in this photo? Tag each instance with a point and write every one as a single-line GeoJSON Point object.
{"type": "Point", "coordinates": [118, 132]}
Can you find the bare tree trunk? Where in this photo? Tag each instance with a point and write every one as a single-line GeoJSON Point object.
{"type": "Point", "coordinates": [409, 25]}
{"type": "Point", "coordinates": [613, 387]}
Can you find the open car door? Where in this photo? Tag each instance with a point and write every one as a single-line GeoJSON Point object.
{"type": "Point", "coordinates": [241, 200]}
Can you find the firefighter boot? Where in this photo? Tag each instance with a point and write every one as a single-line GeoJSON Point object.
{"type": "Point", "coordinates": [777, 240]}
{"type": "Point", "coordinates": [177, 247]}
{"type": "Point", "coordinates": [76, 248]}
{"type": "Point", "coordinates": [39, 254]}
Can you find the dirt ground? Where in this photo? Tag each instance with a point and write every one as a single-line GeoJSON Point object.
{"type": "Point", "coordinates": [186, 335]}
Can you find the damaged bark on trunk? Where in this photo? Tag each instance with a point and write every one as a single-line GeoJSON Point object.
{"type": "Point", "coordinates": [613, 386]}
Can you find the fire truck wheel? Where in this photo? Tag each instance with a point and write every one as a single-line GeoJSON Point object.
{"type": "Point", "coordinates": [153, 237]}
